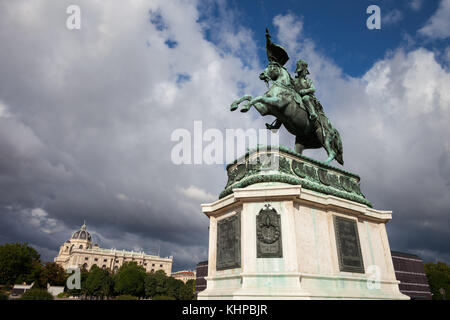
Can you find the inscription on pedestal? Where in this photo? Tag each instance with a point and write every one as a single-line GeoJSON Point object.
{"type": "Point", "coordinates": [229, 243]}
{"type": "Point", "coordinates": [348, 247]}
{"type": "Point", "coordinates": [268, 234]}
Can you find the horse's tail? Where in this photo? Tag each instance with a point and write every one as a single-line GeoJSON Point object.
{"type": "Point", "coordinates": [336, 145]}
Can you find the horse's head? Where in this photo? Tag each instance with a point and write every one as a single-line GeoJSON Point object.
{"type": "Point", "coordinates": [275, 72]}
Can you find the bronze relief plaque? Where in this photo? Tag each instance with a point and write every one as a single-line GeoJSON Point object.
{"type": "Point", "coordinates": [268, 234]}
{"type": "Point", "coordinates": [229, 243]}
{"type": "Point", "coordinates": [348, 246]}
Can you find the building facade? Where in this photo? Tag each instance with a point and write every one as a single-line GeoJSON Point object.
{"type": "Point", "coordinates": [79, 251]}
{"type": "Point", "coordinates": [202, 273]}
{"type": "Point", "coordinates": [410, 271]}
{"type": "Point", "coordinates": [184, 275]}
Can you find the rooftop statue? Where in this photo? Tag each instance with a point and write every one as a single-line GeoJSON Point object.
{"type": "Point", "coordinates": [294, 105]}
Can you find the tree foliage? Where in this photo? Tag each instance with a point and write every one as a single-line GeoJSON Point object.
{"type": "Point", "coordinates": [18, 263]}
{"type": "Point", "coordinates": [37, 294]}
{"type": "Point", "coordinates": [150, 285]}
{"type": "Point", "coordinates": [159, 286]}
{"type": "Point", "coordinates": [77, 292]}
{"type": "Point", "coordinates": [188, 292]}
{"type": "Point", "coordinates": [98, 283]}
{"type": "Point", "coordinates": [130, 279]}
{"type": "Point", "coordinates": [439, 280]}
{"type": "Point", "coordinates": [21, 263]}
{"type": "Point", "coordinates": [174, 287]}
{"type": "Point", "coordinates": [53, 274]}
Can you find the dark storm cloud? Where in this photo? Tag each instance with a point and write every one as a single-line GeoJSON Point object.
{"type": "Point", "coordinates": [86, 122]}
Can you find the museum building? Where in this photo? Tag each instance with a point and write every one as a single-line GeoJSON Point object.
{"type": "Point", "coordinates": [79, 251]}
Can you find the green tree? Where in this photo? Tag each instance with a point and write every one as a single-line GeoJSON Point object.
{"type": "Point", "coordinates": [98, 283]}
{"type": "Point", "coordinates": [53, 274]}
{"type": "Point", "coordinates": [438, 278]}
{"type": "Point", "coordinates": [78, 292]}
{"type": "Point", "coordinates": [33, 276]}
{"type": "Point", "coordinates": [37, 294]}
{"type": "Point", "coordinates": [188, 291]}
{"type": "Point", "coordinates": [174, 287]}
{"type": "Point", "coordinates": [18, 262]}
{"type": "Point", "coordinates": [161, 283]}
{"type": "Point", "coordinates": [159, 286]}
{"type": "Point", "coordinates": [130, 279]}
{"type": "Point", "coordinates": [150, 285]}
{"type": "Point", "coordinates": [156, 284]}
{"type": "Point", "coordinates": [3, 296]}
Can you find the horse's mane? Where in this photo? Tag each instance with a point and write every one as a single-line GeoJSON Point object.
{"type": "Point", "coordinates": [283, 69]}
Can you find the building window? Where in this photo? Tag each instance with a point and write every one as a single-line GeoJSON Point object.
{"type": "Point", "coordinates": [86, 258]}
{"type": "Point", "coordinates": [104, 260]}
{"type": "Point", "coordinates": [81, 246]}
{"type": "Point", "coordinates": [153, 265]}
{"type": "Point", "coordinates": [145, 264]}
{"type": "Point", "coordinates": [160, 265]}
{"type": "Point", "coordinates": [96, 259]}
{"type": "Point", "coordinates": [153, 270]}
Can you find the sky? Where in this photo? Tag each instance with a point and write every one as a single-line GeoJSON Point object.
{"type": "Point", "coordinates": [87, 115]}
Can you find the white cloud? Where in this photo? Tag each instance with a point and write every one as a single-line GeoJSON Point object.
{"type": "Point", "coordinates": [39, 213]}
{"type": "Point", "coordinates": [394, 126]}
{"type": "Point", "coordinates": [195, 193]}
{"type": "Point", "coordinates": [122, 197]}
{"type": "Point", "coordinates": [392, 17]}
{"type": "Point", "coordinates": [3, 110]}
{"type": "Point", "coordinates": [93, 111]}
{"type": "Point", "coordinates": [39, 219]}
{"type": "Point", "coordinates": [416, 5]}
{"type": "Point", "coordinates": [438, 26]}
{"type": "Point", "coordinates": [447, 55]}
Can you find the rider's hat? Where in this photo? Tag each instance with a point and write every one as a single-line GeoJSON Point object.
{"type": "Point", "coordinates": [302, 64]}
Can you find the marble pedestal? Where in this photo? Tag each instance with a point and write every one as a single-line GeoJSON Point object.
{"type": "Point", "coordinates": [277, 240]}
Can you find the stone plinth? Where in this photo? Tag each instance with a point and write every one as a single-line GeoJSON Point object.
{"type": "Point", "coordinates": [280, 240]}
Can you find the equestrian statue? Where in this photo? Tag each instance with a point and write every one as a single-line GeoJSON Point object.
{"type": "Point", "coordinates": [294, 105]}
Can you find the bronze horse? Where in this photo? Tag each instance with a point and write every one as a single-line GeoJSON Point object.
{"type": "Point", "coordinates": [283, 102]}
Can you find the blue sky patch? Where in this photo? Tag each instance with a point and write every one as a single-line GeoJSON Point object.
{"type": "Point", "coordinates": [157, 20]}
{"type": "Point", "coordinates": [182, 78]}
{"type": "Point", "coordinates": [338, 28]}
{"type": "Point", "coordinates": [171, 43]}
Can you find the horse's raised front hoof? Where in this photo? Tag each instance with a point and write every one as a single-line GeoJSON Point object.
{"type": "Point", "coordinates": [245, 108]}
{"type": "Point", "coordinates": [234, 106]}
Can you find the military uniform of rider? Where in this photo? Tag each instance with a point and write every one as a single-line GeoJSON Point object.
{"type": "Point", "coordinates": [306, 89]}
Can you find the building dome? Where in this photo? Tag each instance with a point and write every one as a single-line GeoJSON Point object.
{"type": "Point", "coordinates": [82, 234]}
